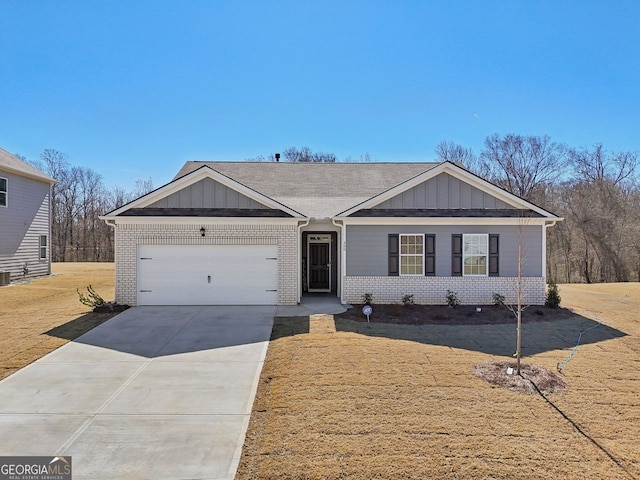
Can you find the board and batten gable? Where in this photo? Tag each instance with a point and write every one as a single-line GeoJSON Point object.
{"type": "Point", "coordinates": [444, 191]}
{"type": "Point", "coordinates": [367, 247]}
{"type": "Point", "coordinates": [207, 193]}
{"type": "Point", "coordinates": [25, 218]}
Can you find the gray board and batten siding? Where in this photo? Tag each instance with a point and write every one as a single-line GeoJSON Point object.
{"type": "Point", "coordinates": [22, 221]}
{"type": "Point", "coordinates": [207, 193]}
{"type": "Point", "coordinates": [367, 247]}
{"type": "Point", "coordinates": [444, 192]}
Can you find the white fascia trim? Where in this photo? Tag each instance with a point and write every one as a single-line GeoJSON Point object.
{"type": "Point", "coordinates": [194, 177]}
{"type": "Point", "coordinates": [20, 173]}
{"type": "Point", "coordinates": [199, 221]}
{"type": "Point", "coordinates": [444, 221]}
{"type": "Point", "coordinates": [460, 174]}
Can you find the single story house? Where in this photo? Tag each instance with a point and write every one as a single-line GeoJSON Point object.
{"type": "Point", "coordinates": [25, 219]}
{"type": "Point", "coordinates": [269, 233]}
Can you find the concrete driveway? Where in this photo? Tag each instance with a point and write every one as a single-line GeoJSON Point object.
{"type": "Point", "coordinates": [156, 392]}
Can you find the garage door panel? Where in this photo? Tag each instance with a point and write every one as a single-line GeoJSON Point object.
{"type": "Point", "coordinates": [207, 275]}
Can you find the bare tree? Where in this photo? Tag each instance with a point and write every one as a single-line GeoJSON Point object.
{"type": "Point", "coordinates": [261, 158]}
{"type": "Point", "coordinates": [598, 167]}
{"type": "Point", "coordinates": [78, 199]}
{"type": "Point", "coordinates": [363, 158]}
{"type": "Point", "coordinates": [447, 151]}
{"type": "Point", "coordinates": [524, 165]}
{"type": "Point", "coordinates": [142, 187]}
{"type": "Point", "coordinates": [56, 165]}
{"type": "Point", "coordinates": [600, 202]}
{"type": "Point", "coordinates": [305, 154]}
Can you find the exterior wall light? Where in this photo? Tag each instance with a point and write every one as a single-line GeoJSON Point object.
{"type": "Point", "coordinates": [202, 230]}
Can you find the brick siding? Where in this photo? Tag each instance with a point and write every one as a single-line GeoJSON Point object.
{"type": "Point", "coordinates": [129, 236]}
{"type": "Point", "coordinates": [433, 290]}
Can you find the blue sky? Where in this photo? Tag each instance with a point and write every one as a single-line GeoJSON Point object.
{"type": "Point", "coordinates": [133, 89]}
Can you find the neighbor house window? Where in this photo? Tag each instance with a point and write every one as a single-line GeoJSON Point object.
{"type": "Point", "coordinates": [3, 192]}
{"type": "Point", "coordinates": [411, 254]}
{"type": "Point", "coordinates": [43, 246]}
{"type": "Point", "coordinates": [475, 254]}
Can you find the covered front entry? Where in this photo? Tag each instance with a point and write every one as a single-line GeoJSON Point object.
{"type": "Point", "coordinates": [207, 275]}
{"type": "Point", "coordinates": [319, 262]}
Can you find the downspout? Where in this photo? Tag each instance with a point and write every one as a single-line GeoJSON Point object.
{"type": "Point", "coordinates": [301, 225]}
{"type": "Point", "coordinates": [343, 255]}
{"type": "Point", "coordinates": [544, 248]}
{"type": "Point", "coordinates": [112, 223]}
{"type": "Point", "coordinates": [50, 237]}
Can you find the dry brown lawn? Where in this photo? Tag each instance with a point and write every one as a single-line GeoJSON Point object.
{"type": "Point", "coordinates": [343, 399]}
{"type": "Point", "coordinates": [400, 401]}
{"type": "Point", "coordinates": [39, 316]}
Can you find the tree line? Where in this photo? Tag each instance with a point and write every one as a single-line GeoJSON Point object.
{"type": "Point", "coordinates": [78, 198]}
{"type": "Point", "coordinates": [596, 191]}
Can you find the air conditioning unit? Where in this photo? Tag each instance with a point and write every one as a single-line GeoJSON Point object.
{"type": "Point", "coordinates": [5, 278]}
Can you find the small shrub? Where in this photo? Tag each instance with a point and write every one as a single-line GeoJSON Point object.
{"type": "Point", "coordinates": [452, 299]}
{"type": "Point", "coordinates": [407, 300]}
{"type": "Point", "coordinates": [92, 299]}
{"type": "Point", "coordinates": [553, 296]}
{"type": "Point", "coordinates": [498, 299]}
{"type": "Point", "coordinates": [367, 298]}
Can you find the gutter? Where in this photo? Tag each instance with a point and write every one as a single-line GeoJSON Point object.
{"type": "Point", "coordinates": [547, 224]}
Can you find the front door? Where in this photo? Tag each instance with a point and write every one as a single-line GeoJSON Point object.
{"type": "Point", "coordinates": [319, 267]}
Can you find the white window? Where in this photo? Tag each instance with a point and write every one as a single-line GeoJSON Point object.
{"type": "Point", "coordinates": [475, 254]}
{"type": "Point", "coordinates": [412, 254]}
{"type": "Point", "coordinates": [43, 246]}
{"type": "Point", "coordinates": [3, 192]}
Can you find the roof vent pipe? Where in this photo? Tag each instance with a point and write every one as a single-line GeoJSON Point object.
{"type": "Point", "coordinates": [277, 157]}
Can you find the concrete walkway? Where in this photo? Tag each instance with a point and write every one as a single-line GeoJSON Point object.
{"type": "Point", "coordinates": [313, 304]}
{"type": "Point", "coordinates": [156, 392]}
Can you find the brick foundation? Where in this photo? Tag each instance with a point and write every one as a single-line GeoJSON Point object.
{"type": "Point", "coordinates": [432, 290]}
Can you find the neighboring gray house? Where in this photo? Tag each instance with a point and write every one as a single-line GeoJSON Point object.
{"type": "Point", "coordinates": [25, 218]}
{"type": "Point", "coordinates": [268, 233]}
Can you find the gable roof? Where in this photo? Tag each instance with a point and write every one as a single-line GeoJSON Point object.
{"type": "Point", "coordinates": [13, 164]}
{"type": "Point", "coordinates": [191, 178]}
{"type": "Point", "coordinates": [323, 190]}
{"type": "Point", "coordinates": [316, 190]}
{"type": "Point", "coordinates": [455, 171]}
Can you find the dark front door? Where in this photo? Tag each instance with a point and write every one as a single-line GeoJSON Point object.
{"type": "Point", "coordinates": [319, 266]}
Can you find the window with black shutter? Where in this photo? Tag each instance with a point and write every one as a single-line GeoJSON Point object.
{"type": "Point", "coordinates": [456, 255]}
{"type": "Point", "coordinates": [430, 255]}
{"type": "Point", "coordinates": [394, 255]}
{"type": "Point", "coordinates": [494, 250]}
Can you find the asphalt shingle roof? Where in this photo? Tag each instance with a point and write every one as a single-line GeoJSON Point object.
{"type": "Point", "coordinates": [14, 164]}
{"type": "Point", "coordinates": [316, 190]}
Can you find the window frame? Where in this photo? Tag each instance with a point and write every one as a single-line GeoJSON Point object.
{"type": "Point", "coordinates": [421, 255]}
{"type": "Point", "coordinates": [5, 192]}
{"type": "Point", "coordinates": [466, 255]}
{"type": "Point", "coordinates": [45, 246]}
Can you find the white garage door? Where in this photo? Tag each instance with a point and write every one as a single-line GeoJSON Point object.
{"type": "Point", "coordinates": [207, 275]}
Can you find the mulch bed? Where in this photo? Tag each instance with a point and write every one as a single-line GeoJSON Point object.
{"type": "Point", "coordinates": [445, 315]}
{"type": "Point", "coordinates": [111, 308]}
{"type": "Point", "coordinates": [532, 378]}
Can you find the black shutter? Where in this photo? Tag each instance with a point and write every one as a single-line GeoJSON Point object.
{"type": "Point", "coordinates": [394, 255]}
{"type": "Point", "coordinates": [430, 255]}
{"type": "Point", "coordinates": [456, 255]}
{"type": "Point", "coordinates": [494, 250]}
